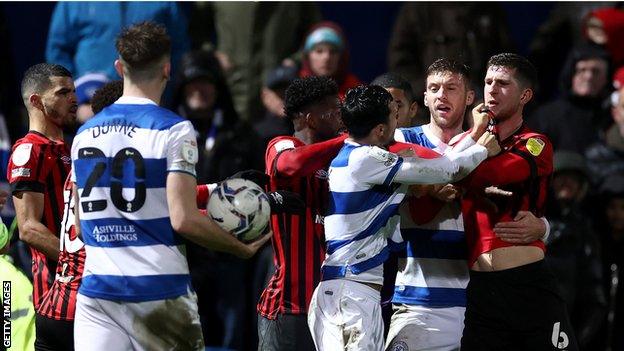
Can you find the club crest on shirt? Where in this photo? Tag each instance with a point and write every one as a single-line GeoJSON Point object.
{"type": "Point", "coordinates": [66, 159]}
{"type": "Point", "coordinates": [382, 155]}
{"type": "Point", "coordinates": [535, 146]}
{"type": "Point", "coordinates": [21, 155]}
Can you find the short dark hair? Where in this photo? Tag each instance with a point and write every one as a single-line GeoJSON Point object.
{"type": "Point", "coordinates": [303, 93]}
{"type": "Point", "coordinates": [37, 78]}
{"type": "Point", "coordinates": [444, 64]}
{"type": "Point", "coordinates": [365, 106]}
{"type": "Point", "coordinates": [525, 72]}
{"type": "Point", "coordinates": [141, 46]}
{"type": "Point", "coordinates": [393, 80]}
{"type": "Point", "coordinates": [106, 95]}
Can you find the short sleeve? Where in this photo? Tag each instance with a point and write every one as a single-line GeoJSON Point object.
{"type": "Point", "coordinates": [25, 168]}
{"type": "Point", "coordinates": [374, 165]}
{"type": "Point", "coordinates": [182, 151]}
{"type": "Point", "coordinates": [275, 147]}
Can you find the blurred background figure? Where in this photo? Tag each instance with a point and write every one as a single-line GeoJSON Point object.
{"type": "Point", "coordinates": [275, 122]}
{"type": "Point", "coordinates": [605, 26]}
{"type": "Point", "coordinates": [573, 250]}
{"type": "Point", "coordinates": [252, 39]}
{"type": "Point", "coordinates": [576, 120]}
{"type": "Point", "coordinates": [326, 54]}
{"type": "Point", "coordinates": [226, 145]}
{"type": "Point", "coordinates": [403, 94]}
{"type": "Point", "coordinates": [85, 88]}
{"type": "Point", "coordinates": [423, 32]}
{"type": "Point", "coordinates": [82, 34]}
{"type": "Point", "coordinates": [611, 228]}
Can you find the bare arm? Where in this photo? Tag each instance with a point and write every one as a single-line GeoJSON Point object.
{"type": "Point", "coordinates": [188, 222]}
{"type": "Point", "coordinates": [29, 211]}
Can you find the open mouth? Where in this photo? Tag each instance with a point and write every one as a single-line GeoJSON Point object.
{"type": "Point", "coordinates": [443, 108]}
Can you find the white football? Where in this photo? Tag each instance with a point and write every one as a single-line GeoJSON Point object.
{"type": "Point", "coordinates": [240, 207]}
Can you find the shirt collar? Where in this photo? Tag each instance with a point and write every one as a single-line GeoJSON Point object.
{"type": "Point", "coordinates": [133, 100]}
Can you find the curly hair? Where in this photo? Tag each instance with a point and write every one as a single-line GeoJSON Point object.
{"type": "Point", "coordinates": [106, 95]}
{"type": "Point", "coordinates": [303, 93]}
{"type": "Point", "coordinates": [365, 107]}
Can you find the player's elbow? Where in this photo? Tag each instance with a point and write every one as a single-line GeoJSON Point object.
{"type": "Point", "coordinates": [180, 222]}
{"type": "Point", "coordinates": [27, 232]}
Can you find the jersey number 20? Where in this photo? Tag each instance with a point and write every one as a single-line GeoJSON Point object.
{"type": "Point", "coordinates": [116, 176]}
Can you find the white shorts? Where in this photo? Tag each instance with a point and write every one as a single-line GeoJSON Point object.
{"type": "Point", "coordinates": [345, 315]}
{"type": "Point", "coordinates": [104, 325]}
{"type": "Point", "coordinates": [422, 328]}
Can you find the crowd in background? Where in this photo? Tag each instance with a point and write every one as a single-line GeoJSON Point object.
{"type": "Point", "coordinates": [233, 61]}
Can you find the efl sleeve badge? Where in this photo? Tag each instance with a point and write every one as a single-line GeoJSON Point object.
{"type": "Point", "coordinates": [535, 146]}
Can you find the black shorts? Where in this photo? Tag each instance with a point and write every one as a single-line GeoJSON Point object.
{"type": "Point", "coordinates": [288, 332]}
{"type": "Point", "coordinates": [53, 335]}
{"type": "Point", "coordinates": [516, 309]}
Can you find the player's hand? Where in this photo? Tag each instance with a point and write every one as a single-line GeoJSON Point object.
{"type": "Point", "coordinates": [446, 193]}
{"type": "Point", "coordinates": [283, 201]}
{"type": "Point", "coordinates": [525, 228]}
{"type": "Point", "coordinates": [489, 141]}
{"type": "Point", "coordinates": [260, 178]}
{"type": "Point", "coordinates": [252, 247]}
{"type": "Point", "coordinates": [480, 120]}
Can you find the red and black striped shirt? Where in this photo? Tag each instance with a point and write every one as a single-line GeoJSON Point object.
{"type": "Point", "coordinates": [60, 301]}
{"type": "Point", "coordinates": [41, 165]}
{"type": "Point", "coordinates": [298, 240]}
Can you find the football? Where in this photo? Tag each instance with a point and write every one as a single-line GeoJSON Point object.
{"type": "Point", "coordinates": [240, 207]}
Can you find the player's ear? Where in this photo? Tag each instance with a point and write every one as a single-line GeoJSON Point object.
{"type": "Point", "coordinates": [470, 97]}
{"type": "Point", "coordinates": [425, 98]}
{"type": "Point", "coordinates": [309, 120]}
{"type": "Point", "coordinates": [35, 101]}
{"type": "Point", "coordinates": [526, 96]}
{"type": "Point", "coordinates": [119, 68]}
{"type": "Point", "coordinates": [413, 109]}
{"type": "Point", "coordinates": [167, 70]}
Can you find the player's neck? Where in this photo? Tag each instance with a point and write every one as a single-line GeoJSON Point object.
{"type": "Point", "coordinates": [369, 140]}
{"type": "Point", "coordinates": [151, 90]}
{"type": "Point", "coordinates": [509, 126]}
{"type": "Point", "coordinates": [445, 134]}
{"type": "Point", "coordinates": [39, 124]}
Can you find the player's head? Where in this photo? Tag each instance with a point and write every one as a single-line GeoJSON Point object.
{"type": "Point", "coordinates": [369, 111]}
{"type": "Point", "coordinates": [448, 91]}
{"type": "Point", "coordinates": [106, 95]}
{"type": "Point", "coordinates": [144, 50]}
{"type": "Point", "coordinates": [48, 89]}
{"type": "Point", "coordinates": [313, 103]}
{"type": "Point", "coordinates": [509, 83]}
{"type": "Point", "coordinates": [403, 95]}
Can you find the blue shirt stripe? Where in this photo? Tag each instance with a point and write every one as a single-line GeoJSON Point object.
{"type": "Point", "coordinates": [335, 272]}
{"type": "Point", "coordinates": [120, 232]}
{"type": "Point", "coordinates": [430, 297]}
{"type": "Point", "coordinates": [358, 201]}
{"type": "Point", "coordinates": [154, 172]}
{"type": "Point", "coordinates": [342, 159]}
{"type": "Point", "coordinates": [444, 244]}
{"type": "Point", "coordinates": [393, 171]}
{"type": "Point", "coordinates": [135, 289]}
{"type": "Point", "coordinates": [416, 135]}
{"type": "Point", "coordinates": [379, 222]}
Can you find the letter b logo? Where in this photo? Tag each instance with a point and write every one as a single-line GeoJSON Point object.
{"type": "Point", "coordinates": [557, 336]}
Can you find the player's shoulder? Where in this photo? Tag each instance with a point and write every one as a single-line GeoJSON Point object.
{"type": "Point", "coordinates": [537, 144]}
{"type": "Point", "coordinates": [283, 142]}
{"type": "Point", "coordinates": [144, 116]}
{"type": "Point", "coordinates": [410, 134]}
{"type": "Point", "coordinates": [372, 156]}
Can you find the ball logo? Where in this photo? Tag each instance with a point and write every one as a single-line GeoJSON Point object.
{"type": "Point", "coordinates": [560, 339]}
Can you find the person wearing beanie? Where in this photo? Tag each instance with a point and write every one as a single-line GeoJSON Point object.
{"type": "Point", "coordinates": [326, 54]}
{"type": "Point", "coordinates": [605, 26]}
{"type": "Point", "coordinates": [573, 249]}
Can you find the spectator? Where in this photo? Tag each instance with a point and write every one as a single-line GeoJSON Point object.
{"type": "Point", "coordinates": [612, 229]}
{"type": "Point", "coordinates": [326, 54]}
{"type": "Point", "coordinates": [607, 155]}
{"type": "Point", "coordinates": [275, 122]}
{"type": "Point", "coordinates": [573, 247]}
{"type": "Point", "coordinates": [85, 88]}
{"type": "Point", "coordinates": [82, 34]}
{"type": "Point", "coordinates": [605, 27]}
{"type": "Point", "coordinates": [278, 29]}
{"type": "Point", "coordinates": [226, 146]}
{"type": "Point", "coordinates": [582, 107]}
{"type": "Point", "coordinates": [423, 32]}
